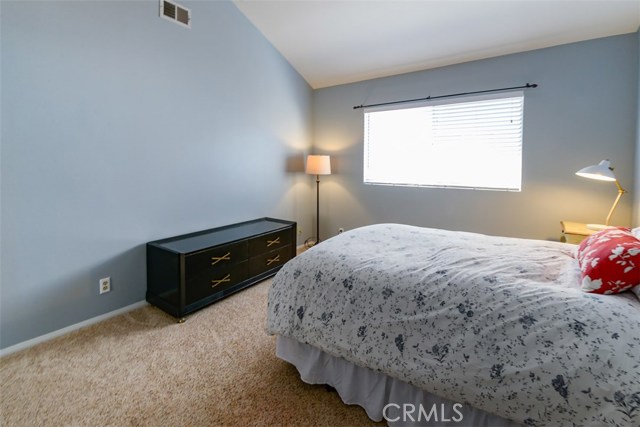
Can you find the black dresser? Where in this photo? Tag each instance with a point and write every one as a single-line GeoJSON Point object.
{"type": "Point", "coordinates": [188, 272]}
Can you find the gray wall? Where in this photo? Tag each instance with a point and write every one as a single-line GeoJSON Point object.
{"type": "Point", "coordinates": [585, 110]}
{"type": "Point", "coordinates": [636, 199]}
{"type": "Point", "coordinates": [119, 127]}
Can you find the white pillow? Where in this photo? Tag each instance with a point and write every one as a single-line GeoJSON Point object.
{"type": "Point", "coordinates": [636, 290]}
{"type": "Point", "coordinates": [636, 232]}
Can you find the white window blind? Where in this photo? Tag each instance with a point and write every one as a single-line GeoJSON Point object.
{"type": "Point", "coordinates": [464, 143]}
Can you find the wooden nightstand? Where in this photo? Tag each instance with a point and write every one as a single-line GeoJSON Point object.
{"type": "Point", "coordinates": [575, 232]}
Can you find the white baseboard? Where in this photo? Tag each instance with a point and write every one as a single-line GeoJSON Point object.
{"type": "Point", "coordinates": [46, 337]}
{"type": "Point", "coordinates": [51, 335]}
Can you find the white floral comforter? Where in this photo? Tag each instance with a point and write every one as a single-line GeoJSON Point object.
{"type": "Point", "coordinates": [497, 323]}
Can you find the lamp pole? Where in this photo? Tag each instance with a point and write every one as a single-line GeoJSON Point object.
{"type": "Point", "coordinates": [621, 191]}
{"type": "Point", "coordinates": [318, 165]}
{"type": "Point", "coordinates": [317, 209]}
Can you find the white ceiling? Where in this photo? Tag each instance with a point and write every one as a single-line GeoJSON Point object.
{"type": "Point", "coordinates": [335, 42]}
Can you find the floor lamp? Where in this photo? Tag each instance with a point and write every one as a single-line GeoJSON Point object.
{"type": "Point", "coordinates": [602, 172]}
{"type": "Point", "coordinates": [318, 165]}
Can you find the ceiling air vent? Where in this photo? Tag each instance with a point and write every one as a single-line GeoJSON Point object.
{"type": "Point", "coordinates": [175, 13]}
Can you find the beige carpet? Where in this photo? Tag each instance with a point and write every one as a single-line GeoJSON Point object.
{"type": "Point", "coordinates": [144, 369]}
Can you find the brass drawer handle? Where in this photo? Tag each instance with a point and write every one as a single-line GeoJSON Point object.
{"type": "Point", "coordinates": [217, 259]}
{"type": "Point", "coordinates": [225, 279]}
{"type": "Point", "coordinates": [272, 260]}
{"type": "Point", "coordinates": [273, 242]}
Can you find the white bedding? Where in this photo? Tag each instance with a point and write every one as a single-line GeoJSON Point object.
{"type": "Point", "coordinates": [514, 335]}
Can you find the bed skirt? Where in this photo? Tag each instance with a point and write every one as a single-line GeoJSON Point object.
{"type": "Point", "coordinates": [381, 396]}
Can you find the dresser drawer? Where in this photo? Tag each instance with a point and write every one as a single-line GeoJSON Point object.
{"type": "Point", "coordinates": [265, 262]}
{"type": "Point", "coordinates": [269, 242]}
{"type": "Point", "coordinates": [219, 257]}
{"type": "Point", "coordinates": [208, 283]}
{"type": "Point", "coordinates": [188, 272]}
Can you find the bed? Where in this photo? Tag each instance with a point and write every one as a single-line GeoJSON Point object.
{"type": "Point", "coordinates": [433, 327]}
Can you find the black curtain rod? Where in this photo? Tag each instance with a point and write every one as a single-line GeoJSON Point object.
{"type": "Point", "coordinates": [428, 98]}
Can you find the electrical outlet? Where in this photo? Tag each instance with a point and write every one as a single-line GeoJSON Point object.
{"type": "Point", "coordinates": [105, 285]}
{"type": "Point", "coordinates": [340, 230]}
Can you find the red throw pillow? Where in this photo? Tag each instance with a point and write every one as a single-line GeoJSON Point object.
{"type": "Point", "coordinates": [610, 261]}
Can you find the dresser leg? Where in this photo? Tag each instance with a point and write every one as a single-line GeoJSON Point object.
{"type": "Point", "coordinates": [182, 320]}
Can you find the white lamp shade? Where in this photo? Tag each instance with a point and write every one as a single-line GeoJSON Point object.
{"type": "Point", "coordinates": [318, 165]}
{"type": "Point", "coordinates": [602, 171]}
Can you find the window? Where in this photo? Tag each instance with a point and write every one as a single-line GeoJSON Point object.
{"type": "Point", "coordinates": [471, 143]}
